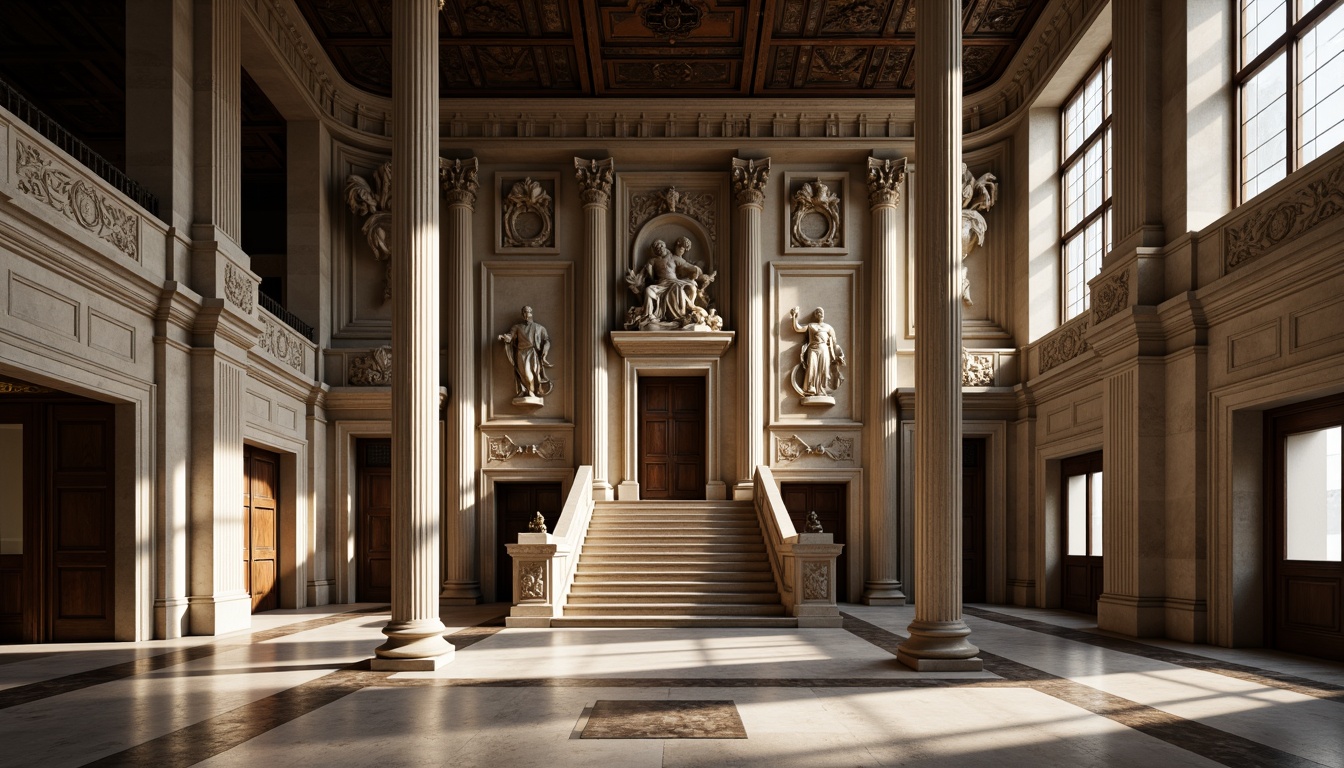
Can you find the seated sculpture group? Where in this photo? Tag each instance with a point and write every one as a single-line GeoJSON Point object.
{"type": "Point", "coordinates": [673, 292]}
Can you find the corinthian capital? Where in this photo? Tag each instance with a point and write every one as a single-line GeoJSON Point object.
{"type": "Point", "coordinates": [594, 181]}
{"type": "Point", "coordinates": [885, 178]}
{"type": "Point", "coordinates": [458, 178]}
{"type": "Point", "coordinates": [749, 178]}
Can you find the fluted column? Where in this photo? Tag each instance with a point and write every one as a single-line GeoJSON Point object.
{"type": "Point", "coordinates": [749, 180]}
{"type": "Point", "coordinates": [595, 177]}
{"type": "Point", "coordinates": [415, 633]}
{"type": "Point", "coordinates": [217, 76]}
{"type": "Point", "coordinates": [886, 178]}
{"type": "Point", "coordinates": [1137, 138]}
{"type": "Point", "coordinates": [463, 585]}
{"type": "Point", "coordinates": [938, 635]}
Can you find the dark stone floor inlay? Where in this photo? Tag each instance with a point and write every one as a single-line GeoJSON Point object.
{"type": "Point", "coordinates": [662, 719]}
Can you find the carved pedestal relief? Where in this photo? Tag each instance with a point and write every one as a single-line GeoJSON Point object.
{"type": "Point", "coordinates": [528, 346]}
{"type": "Point", "coordinates": [819, 371]}
{"type": "Point", "coordinates": [977, 194]}
{"type": "Point", "coordinates": [374, 202]}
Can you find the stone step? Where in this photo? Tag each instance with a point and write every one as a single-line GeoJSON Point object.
{"type": "Point", "coordinates": [683, 575]}
{"type": "Point", "coordinates": [677, 609]}
{"type": "Point", "coordinates": [721, 565]}
{"type": "Point", "coordinates": [656, 550]}
{"type": "Point", "coordinates": [607, 538]}
{"type": "Point", "coordinates": [693, 597]}
{"type": "Point", "coordinates": [642, 523]}
{"type": "Point", "coordinates": [671, 586]}
{"type": "Point", "coordinates": [669, 621]}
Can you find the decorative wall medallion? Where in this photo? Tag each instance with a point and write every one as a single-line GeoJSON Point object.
{"type": "Point", "coordinates": [374, 202]}
{"type": "Point", "coordinates": [671, 19]}
{"type": "Point", "coordinates": [532, 581]}
{"type": "Point", "coordinates": [977, 194]}
{"type": "Point", "coordinates": [671, 291]}
{"type": "Point", "coordinates": [504, 448]}
{"type": "Point", "coordinates": [794, 447]}
{"type": "Point", "coordinates": [976, 370]}
{"type": "Point", "coordinates": [594, 181]}
{"type": "Point", "coordinates": [1317, 202]}
{"type": "Point", "coordinates": [527, 219]}
{"type": "Point", "coordinates": [816, 216]}
{"type": "Point", "coordinates": [816, 581]}
{"type": "Point", "coordinates": [238, 288]}
{"type": "Point", "coordinates": [1066, 344]}
{"type": "Point", "coordinates": [276, 339]}
{"type": "Point", "coordinates": [821, 360]}
{"type": "Point", "coordinates": [373, 369]}
{"type": "Point", "coordinates": [527, 345]}
{"type": "Point", "coordinates": [458, 179]}
{"type": "Point", "coordinates": [697, 206]}
{"type": "Point", "coordinates": [885, 179]}
{"type": "Point", "coordinates": [76, 199]}
{"type": "Point", "coordinates": [1110, 297]}
{"type": "Point", "coordinates": [749, 180]}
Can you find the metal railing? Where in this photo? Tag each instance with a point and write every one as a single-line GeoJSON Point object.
{"type": "Point", "coordinates": [285, 316]}
{"type": "Point", "coordinates": [20, 107]}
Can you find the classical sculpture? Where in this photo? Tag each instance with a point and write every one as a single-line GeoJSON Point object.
{"type": "Point", "coordinates": [977, 194]}
{"type": "Point", "coordinates": [527, 344]}
{"type": "Point", "coordinates": [818, 372]}
{"type": "Point", "coordinates": [673, 292]}
{"type": "Point", "coordinates": [375, 202]}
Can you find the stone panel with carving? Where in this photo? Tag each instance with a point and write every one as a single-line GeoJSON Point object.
{"type": "Point", "coordinates": [1064, 345]}
{"type": "Point", "coordinates": [816, 581]}
{"type": "Point", "coordinates": [527, 219]}
{"type": "Point", "coordinates": [239, 288]}
{"type": "Point", "coordinates": [815, 216]}
{"type": "Point", "coordinates": [503, 448]}
{"type": "Point", "coordinates": [793, 448]}
{"type": "Point", "coordinates": [283, 343]}
{"type": "Point", "coordinates": [1110, 296]}
{"type": "Point", "coordinates": [532, 581]}
{"type": "Point", "coordinates": [51, 182]}
{"type": "Point", "coordinates": [373, 369]}
{"type": "Point", "coordinates": [1320, 200]}
{"type": "Point", "coordinates": [976, 370]}
{"type": "Point", "coordinates": [700, 206]}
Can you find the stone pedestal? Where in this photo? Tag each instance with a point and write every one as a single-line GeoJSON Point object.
{"type": "Point", "coordinates": [938, 635]}
{"type": "Point", "coordinates": [415, 633]}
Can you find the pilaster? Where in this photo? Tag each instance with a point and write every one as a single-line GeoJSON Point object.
{"type": "Point", "coordinates": [308, 232]}
{"type": "Point", "coordinates": [462, 585]}
{"type": "Point", "coordinates": [749, 180]}
{"type": "Point", "coordinates": [938, 635]}
{"type": "Point", "coordinates": [159, 98]}
{"type": "Point", "coordinates": [217, 120]}
{"type": "Point", "coordinates": [882, 586]}
{"type": "Point", "coordinates": [595, 180]}
{"type": "Point", "coordinates": [415, 632]}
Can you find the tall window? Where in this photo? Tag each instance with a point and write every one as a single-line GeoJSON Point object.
{"type": "Point", "coordinates": [1289, 41]}
{"type": "Point", "coordinates": [1085, 177]}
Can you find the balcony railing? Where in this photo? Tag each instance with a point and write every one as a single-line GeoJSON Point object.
{"type": "Point", "coordinates": [16, 104]}
{"type": "Point", "coordinates": [285, 316]}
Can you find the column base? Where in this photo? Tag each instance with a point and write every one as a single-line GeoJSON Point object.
{"type": "Point", "coordinates": [939, 646]}
{"type": "Point", "coordinates": [883, 593]}
{"type": "Point", "coordinates": [460, 593]}
{"type": "Point", "coordinates": [602, 491]}
{"type": "Point", "coordinates": [1132, 616]}
{"type": "Point", "coordinates": [170, 618]}
{"type": "Point", "coordinates": [218, 614]}
{"type": "Point", "coordinates": [413, 646]}
{"type": "Point", "coordinates": [627, 491]}
{"type": "Point", "coordinates": [744, 492]}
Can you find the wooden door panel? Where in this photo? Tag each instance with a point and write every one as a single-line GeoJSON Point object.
{"type": "Point", "coordinates": [261, 482]}
{"type": "Point", "coordinates": [1311, 604]}
{"type": "Point", "coordinates": [80, 523]}
{"type": "Point", "coordinates": [671, 422]}
{"type": "Point", "coordinates": [374, 533]}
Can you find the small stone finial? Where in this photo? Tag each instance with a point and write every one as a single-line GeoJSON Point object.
{"type": "Point", "coordinates": [538, 524]}
{"type": "Point", "coordinates": [813, 524]}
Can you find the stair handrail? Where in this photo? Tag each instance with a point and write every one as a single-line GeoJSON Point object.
{"type": "Point", "coordinates": [803, 563]}
{"type": "Point", "coordinates": [544, 563]}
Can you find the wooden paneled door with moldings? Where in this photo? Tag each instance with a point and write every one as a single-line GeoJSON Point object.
{"type": "Point", "coordinates": [973, 476]}
{"type": "Point", "coordinates": [515, 504]}
{"type": "Point", "coordinates": [1304, 588]}
{"type": "Point", "coordinates": [261, 540]}
{"type": "Point", "coordinates": [671, 437]}
{"type": "Point", "coordinates": [828, 500]}
{"type": "Point", "coordinates": [373, 539]}
{"type": "Point", "coordinates": [1080, 494]}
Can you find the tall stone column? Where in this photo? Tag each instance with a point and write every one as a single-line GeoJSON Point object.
{"type": "Point", "coordinates": [415, 633]}
{"type": "Point", "coordinates": [218, 81]}
{"type": "Point", "coordinates": [883, 585]}
{"type": "Point", "coordinates": [595, 178]}
{"type": "Point", "coordinates": [938, 635]}
{"type": "Point", "coordinates": [463, 585]}
{"type": "Point", "coordinates": [749, 180]}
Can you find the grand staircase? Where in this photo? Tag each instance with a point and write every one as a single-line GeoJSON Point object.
{"type": "Point", "coordinates": [674, 564]}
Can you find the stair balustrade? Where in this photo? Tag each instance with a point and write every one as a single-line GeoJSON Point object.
{"type": "Point", "coordinates": [544, 563]}
{"type": "Point", "coordinates": [803, 563]}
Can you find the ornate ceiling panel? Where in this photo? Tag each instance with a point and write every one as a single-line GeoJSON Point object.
{"type": "Point", "coordinates": [670, 47]}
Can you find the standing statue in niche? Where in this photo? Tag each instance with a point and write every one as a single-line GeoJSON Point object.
{"type": "Point", "coordinates": [527, 344]}
{"type": "Point", "coordinates": [977, 194]}
{"type": "Point", "coordinates": [818, 373]}
{"type": "Point", "coordinates": [673, 290]}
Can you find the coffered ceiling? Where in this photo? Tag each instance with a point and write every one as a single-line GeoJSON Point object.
{"type": "Point", "coordinates": [784, 48]}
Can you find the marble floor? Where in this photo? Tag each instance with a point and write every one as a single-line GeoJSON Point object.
{"type": "Point", "coordinates": [296, 691]}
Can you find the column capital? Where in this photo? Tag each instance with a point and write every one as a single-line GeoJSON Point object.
{"type": "Point", "coordinates": [458, 178]}
{"type": "Point", "coordinates": [594, 181]}
{"type": "Point", "coordinates": [885, 178]}
{"type": "Point", "coordinates": [749, 178]}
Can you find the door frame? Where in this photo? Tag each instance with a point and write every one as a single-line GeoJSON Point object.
{"type": "Point", "coordinates": [344, 521]}
{"type": "Point", "coordinates": [293, 569]}
{"type": "Point", "coordinates": [1090, 459]}
{"type": "Point", "coordinates": [486, 530]}
{"type": "Point", "coordinates": [701, 367]}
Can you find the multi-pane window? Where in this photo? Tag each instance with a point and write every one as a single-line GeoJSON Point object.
{"type": "Point", "coordinates": [1297, 42]}
{"type": "Point", "coordinates": [1085, 178]}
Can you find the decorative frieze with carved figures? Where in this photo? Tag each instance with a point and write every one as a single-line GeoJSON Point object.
{"type": "Point", "coordinates": [792, 448]}
{"type": "Point", "coordinates": [502, 448]}
{"type": "Point", "coordinates": [977, 370]}
{"type": "Point", "coordinates": [284, 344]}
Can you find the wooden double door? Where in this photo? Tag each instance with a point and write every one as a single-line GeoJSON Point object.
{"type": "Point", "coordinates": [1304, 589]}
{"type": "Point", "coordinates": [261, 527]}
{"type": "Point", "coordinates": [373, 534]}
{"type": "Point", "coordinates": [57, 520]}
{"type": "Point", "coordinates": [671, 437]}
